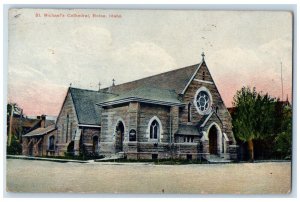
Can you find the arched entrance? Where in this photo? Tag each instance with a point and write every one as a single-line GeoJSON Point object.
{"type": "Point", "coordinates": [213, 140]}
{"type": "Point", "coordinates": [119, 136]}
{"type": "Point", "coordinates": [95, 144]}
{"type": "Point", "coordinates": [70, 148]}
{"type": "Point", "coordinates": [82, 150]}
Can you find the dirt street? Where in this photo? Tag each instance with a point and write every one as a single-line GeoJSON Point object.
{"type": "Point", "coordinates": [244, 178]}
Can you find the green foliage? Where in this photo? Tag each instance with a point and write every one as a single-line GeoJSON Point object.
{"type": "Point", "coordinates": [283, 141]}
{"type": "Point", "coordinates": [15, 148]}
{"type": "Point", "coordinates": [254, 115]}
{"type": "Point", "coordinates": [8, 112]}
{"type": "Point", "coordinates": [16, 109]}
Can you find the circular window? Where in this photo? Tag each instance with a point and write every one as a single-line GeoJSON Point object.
{"type": "Point", "coordinates": [203, 101]}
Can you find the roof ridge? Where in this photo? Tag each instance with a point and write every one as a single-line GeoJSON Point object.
{"type": "Point", "coordinates": [95, 91]}
{"type": "Point", "coordinates": [153, 76]}
{"type": "Point", "coordinates": [152, 87]}
{"type": "Point", "coordinates": [84, 89]}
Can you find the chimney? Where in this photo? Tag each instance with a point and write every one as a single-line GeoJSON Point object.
{"type": "Point", "coordinates": [43, 121]}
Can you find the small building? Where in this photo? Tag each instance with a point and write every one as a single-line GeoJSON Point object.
{"type": "Point", "coordinates": [40, 141]}
{"type": "Point", "coordinates": [22, 124]}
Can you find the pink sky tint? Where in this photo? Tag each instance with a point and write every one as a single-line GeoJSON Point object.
{"type": "Point", "coordinates": [46, 54]}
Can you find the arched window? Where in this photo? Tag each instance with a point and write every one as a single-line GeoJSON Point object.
{"type": "Point", "coordinates": [62, 133]}
{"type": "Point", "coordinates": [119, 136]}
{"type": "Point", "coordinates": [154, 130]}
{"type": "Point", "coordinates": [223, 144]}
{"type": "Point", "coordinates": [189, 112]}
{"type": "Point", "coordinates": [71, 130]}
{"type": "Point", "coordinates": [67, 129]}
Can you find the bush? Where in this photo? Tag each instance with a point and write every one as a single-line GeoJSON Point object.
{"type": "Point", "coordinates": [15, 148]}
{"type": "Point", "coordinates": [284, 145]}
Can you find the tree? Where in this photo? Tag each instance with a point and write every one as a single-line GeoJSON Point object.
{"type": "Point", "coordinates": [283, 141]}
{"type": "Point", "coordinates": [253, 117]}
{"type": "Point", "coordinates": [15, 148]}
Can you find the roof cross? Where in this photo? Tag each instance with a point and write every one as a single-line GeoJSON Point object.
{"type": "Point", "coordinates": [99, 84]}
{"type": "Point", "coordinates": [203, 55]}
{"type": "Point", "coordinates": [113, 84]}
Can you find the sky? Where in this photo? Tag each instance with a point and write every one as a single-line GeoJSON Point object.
{"type": "Point", "coordinates": [50, 49]}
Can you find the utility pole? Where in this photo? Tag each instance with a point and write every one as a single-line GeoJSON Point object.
{"type": "Point", "coordinates": [281, 82]}
{"type": "Point", "coordinates": [10, 125]}
{"type": "Point", "coordinates": [20, 127]}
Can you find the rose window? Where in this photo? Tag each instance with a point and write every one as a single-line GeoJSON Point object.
{"type": "Point", "coordinates": [202, 101]}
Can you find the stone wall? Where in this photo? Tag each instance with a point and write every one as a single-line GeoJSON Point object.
{"type": "Point", "coordinates": [87, 138]}
{"type": "Point", "coordinates": [109, 120]}
{"type": "Point", "coordinates": [66, 132]}
{"type": "Point", "coordinates": [147, 112]}
{"type": "Point", "coordinates": [149, 150]}
{"type": "Point", "coordinates": [138, 117]}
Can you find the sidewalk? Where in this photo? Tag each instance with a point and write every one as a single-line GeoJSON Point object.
{"type": "Point", "coordinates": [76, 161]}
{"type": "Point", "coordinates": [46, 159]}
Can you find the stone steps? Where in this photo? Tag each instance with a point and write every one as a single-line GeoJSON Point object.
{"type": "Point", "coordinates": [216, 159]}
{"type": "Point", "coordinates": [119, 155]}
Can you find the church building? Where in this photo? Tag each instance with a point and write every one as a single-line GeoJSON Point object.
{"type": "Point", "coordinates": [177, 114]}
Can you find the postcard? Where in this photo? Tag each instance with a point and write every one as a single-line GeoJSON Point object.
{"type": "Point", "coordinates": [149, 101]}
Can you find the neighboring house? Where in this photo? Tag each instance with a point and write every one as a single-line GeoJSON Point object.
{"type": "Point", "coordinates": [176, 114]}
{"type": "Point", "coordinates": [23, 124]}
{"type": "Point", "coordinates": [40, 141]}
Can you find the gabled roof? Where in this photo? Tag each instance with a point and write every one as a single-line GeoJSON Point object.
{"type": "Point", "coordinates": [29, 123]}
{"type": "Point", "coordinates": [40, 131]}
{"type": "Point", "coordinates": [175, 80]}
{"type": "Point", "coordinates": [207, 117]}
{"type": "Point", "coordinates": [187, 130]}
{"type": "Point", "coordinates": [85, 105]}
{"type": "Point", "coordinates": [147, 95]}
